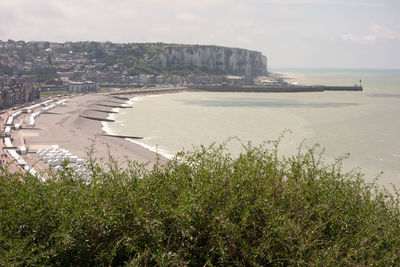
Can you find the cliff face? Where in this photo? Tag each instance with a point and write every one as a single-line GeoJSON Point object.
{"type": "Point", "coordinates": [211, 59]}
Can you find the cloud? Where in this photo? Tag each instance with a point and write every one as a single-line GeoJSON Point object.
{"type": "Point", "coordinates": [290, 13]}
{"type": "Point", "coordinates": [289, 32]}
{"type": "Point", "coordinates": [376, 32]}
{"type": "Point", "coordinates": [383, 32]}
{"type": "Point", "coordinates": [187, 17]}
{"type": "Point", "coordinates": [365, 39]}
{"type": "Point", "coordinates": [327, 2]}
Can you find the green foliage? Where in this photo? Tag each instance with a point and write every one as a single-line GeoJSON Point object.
{"type": "Point", "coordinates": [144, 67]}
{"type": "Point", "coordinates": [137, 58]}
{"type": "Point", "coordinates": [202, 208]}
{"type": "Point", "coordinates": [184, 70]}
{"type": "Point", "coordinates": [42, 77]}
{"type": "Point", "coordinates": [133, 55]}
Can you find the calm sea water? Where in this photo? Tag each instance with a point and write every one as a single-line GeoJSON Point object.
{"type": "Point", "coordinates": [364, 124]}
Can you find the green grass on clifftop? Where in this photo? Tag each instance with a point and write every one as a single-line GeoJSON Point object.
{"type": "Point", "coordinates": [203, 208]}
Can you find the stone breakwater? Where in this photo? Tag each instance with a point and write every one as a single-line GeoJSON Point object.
{"type": "Point", "coordinates": [278, 89]}
{"type": "Point", "coordinates": [250, 89]}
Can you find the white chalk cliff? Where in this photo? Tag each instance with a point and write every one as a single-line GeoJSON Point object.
{"type": "Point", "coordinates": [213, 59]}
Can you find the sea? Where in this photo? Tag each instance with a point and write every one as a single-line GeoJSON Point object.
{"type": "Point", "coordinates": [365, 125]}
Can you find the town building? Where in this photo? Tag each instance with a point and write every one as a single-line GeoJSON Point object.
{"type": "Point", "coordinates": [14, 93]}
{"type": "Point", "coordinates": [82, 87]}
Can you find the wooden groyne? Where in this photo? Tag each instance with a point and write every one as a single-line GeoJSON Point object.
{"type": "Point", "coordinates": [115, 102]}
{"type": "Point", "coordinates": [123, 136]}
{"type": "Point", "coordinates": [96, 118]}
{"type": "Point", "coordinates": [113, 106]}
{"type": "Point", "coordinates": [104, 111]}
{"type": "Point", "coordinates": [122, 98]}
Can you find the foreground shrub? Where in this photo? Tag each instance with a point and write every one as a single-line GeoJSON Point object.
{"type": "Point", "coordinates": [201, 208]}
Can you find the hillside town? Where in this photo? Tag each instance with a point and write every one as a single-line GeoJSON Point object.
{"type": "Point", "coordinates": [27, 68]}
{"type": "Point", "coordinates": [17, 91]}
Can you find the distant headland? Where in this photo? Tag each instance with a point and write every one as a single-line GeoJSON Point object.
{"type": "Point", "coordinates": [29, 70]}
{"type": "Point", "coordinates": [131, 58]}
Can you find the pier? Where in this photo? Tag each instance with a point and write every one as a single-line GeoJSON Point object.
{"type": "Point", "coordinates": [277, 88]}
{"type": "Point", "coordinates": [244, 89]}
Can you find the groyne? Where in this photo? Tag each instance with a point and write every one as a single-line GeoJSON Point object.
{"type": "Point", "coordinates": [123, 136]}
{"type": "Point", "coordinates": [96, 118]}
{"type": "Point", "coordinates": [104, 111]}
{"type": "Point", "coordinates": [113, 106]}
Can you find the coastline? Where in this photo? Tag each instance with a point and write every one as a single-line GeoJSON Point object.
{"type": "Point", "coordinates": [66, 127]}
{"type": "Point", "coordinates": [329, 112]}
{"type": "Point", "coordinates": [129, 95]}
{"type": "Point", "coordinates": [85, 119]}
{"type": "Point", "coordinates": [130, 102]}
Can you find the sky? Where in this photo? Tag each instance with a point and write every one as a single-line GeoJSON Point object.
{"type": "Point", "coordinates": [291, 33]}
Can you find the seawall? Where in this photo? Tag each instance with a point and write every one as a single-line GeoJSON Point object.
{"type": "Point", "coordinates": [152, 91]}
{"type": "Point", "coordinates": [277, 89]}
{"type": "Point", "coordinates": [232, 88]}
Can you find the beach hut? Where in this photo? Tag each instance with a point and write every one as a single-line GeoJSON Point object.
{"type": "Point", "coordinates": [10, 120]}
{"type": "Point", "coordinates": [55, 156]}
{"type": "Point", "coordinates": [16, 157]}
{"type": "Point", "coordinates": [30, 121]}
{"type": "Point", "coordinates": [30, 109]}
{"type": "Point", "coordinates": [47, 102]}
{"type": "Point", "coordinates": [7, 130]}
{"type": "Point", "coordinates": [32, 171]}
{"type": "Point", "coordinates": [54, 163]}
{"type": "Point", "coordinates": [22, 150]}
{"type": "Point", "coordinates": [61, 102]}
{"type": "Point", "coordinates": [48, 108]}
{"type": "Point", "coordinates": [17, 114]}
{"type": "Point", "coordinates": [7, 142]}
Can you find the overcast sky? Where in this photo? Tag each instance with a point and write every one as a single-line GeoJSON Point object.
{"type": "Point", "coordinates": [291, 33]}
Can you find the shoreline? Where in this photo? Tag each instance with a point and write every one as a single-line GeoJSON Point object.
{"type": "Point", "coordinates": [130, 95]}
{"type": "Point", "coordinates": [81, 125]}
{"type": "Point", "coordinates": [129, 100]}
{"type": "Point", "coordinates": [69, 129]}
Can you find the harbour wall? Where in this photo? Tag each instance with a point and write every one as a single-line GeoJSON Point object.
{"type": "Point", "coordinates": [277, 89]}
{"type": "Point", "coordinates": [252, 89]}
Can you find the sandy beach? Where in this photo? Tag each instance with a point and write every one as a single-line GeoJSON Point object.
{"type": "Point", "coordinates": [64, 126]}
